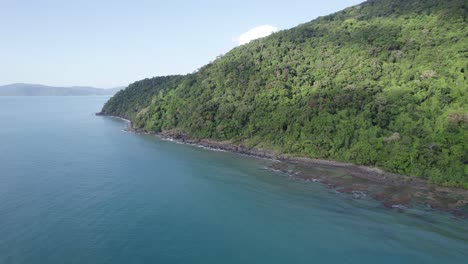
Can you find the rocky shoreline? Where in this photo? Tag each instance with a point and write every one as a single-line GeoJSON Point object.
{"type": "Point", "coordinates": [393, 190]}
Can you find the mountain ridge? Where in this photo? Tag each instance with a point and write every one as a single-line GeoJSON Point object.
{"type": "Point", "coordinates": [25, 89]}
{"type": "Point", "coordinates": [383, 84]}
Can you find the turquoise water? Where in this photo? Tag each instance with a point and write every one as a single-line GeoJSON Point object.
{"type": "Point", "coordinates": [76, 188]}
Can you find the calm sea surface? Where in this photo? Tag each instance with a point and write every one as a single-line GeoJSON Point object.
{"type": "Point", "coordinates": [76, 188]}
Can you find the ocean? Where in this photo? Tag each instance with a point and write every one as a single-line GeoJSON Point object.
{"type": "Point", "coordinates": [78, 188]}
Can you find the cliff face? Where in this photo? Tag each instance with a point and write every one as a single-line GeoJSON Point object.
{"type": "Point", "coordinates": [383, 83]}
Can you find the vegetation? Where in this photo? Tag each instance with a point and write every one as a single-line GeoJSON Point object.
{"type": "Point", "coordinates": [383, 84]}
{"type": "Point", "coordinates": [127, 103]}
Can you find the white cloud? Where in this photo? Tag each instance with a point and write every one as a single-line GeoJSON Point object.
{"type": "Point", "coordinates": [255, 33]}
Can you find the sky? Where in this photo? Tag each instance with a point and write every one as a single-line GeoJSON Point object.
{"type": "Point", "coordinates": [104, 43]}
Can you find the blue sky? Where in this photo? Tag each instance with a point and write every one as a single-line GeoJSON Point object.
{"type": "Point", "coordinates": [112, 43]}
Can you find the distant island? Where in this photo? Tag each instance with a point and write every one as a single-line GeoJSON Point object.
{"type": "Point", "coordinates": [381, 84]}
{"type": "Point", "coordinates": [24, 89]}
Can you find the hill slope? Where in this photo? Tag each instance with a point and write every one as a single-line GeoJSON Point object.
{"type": "Point", "coordinates": [23, 89]}
{"type": "Point", "coordinates": [383, 83]}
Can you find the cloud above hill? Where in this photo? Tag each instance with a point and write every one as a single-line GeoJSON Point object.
{"type": "Point", "coordinates": [255, 33]}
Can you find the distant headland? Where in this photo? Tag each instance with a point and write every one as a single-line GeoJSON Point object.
{"type": "Point", "coordinates": [24, 89]}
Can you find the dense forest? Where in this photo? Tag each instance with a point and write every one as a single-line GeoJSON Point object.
{"type": "Point", "coordinates": [383, 83]}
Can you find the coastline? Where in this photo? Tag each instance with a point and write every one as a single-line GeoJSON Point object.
{"type": "Point", "coordinates": [391, 189]}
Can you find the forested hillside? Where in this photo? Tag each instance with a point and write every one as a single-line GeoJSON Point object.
{"type": "Point", "coordinates": [383, 83]}
{"type": "Point", "coordinates": [137, 96]}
